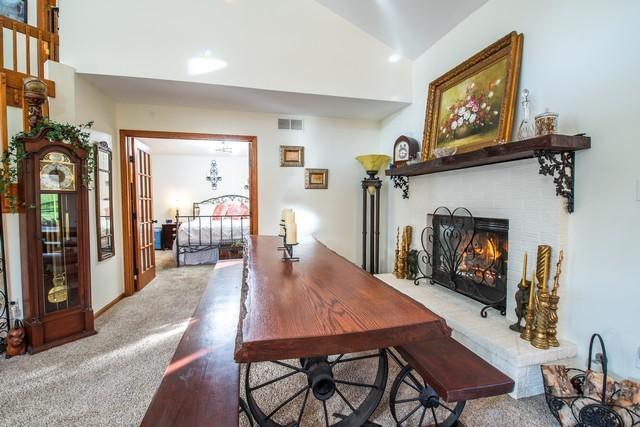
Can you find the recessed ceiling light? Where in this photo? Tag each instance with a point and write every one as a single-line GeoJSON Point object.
{"type": "Point", "coordinates": [395, 57]}
{"type": "Point", "coordinates": [204, 64]}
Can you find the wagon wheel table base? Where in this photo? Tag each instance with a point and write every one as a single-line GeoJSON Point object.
{"type": "Point", "coordinates": [317, 379]}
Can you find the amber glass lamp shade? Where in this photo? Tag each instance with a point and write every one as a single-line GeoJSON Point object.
{"type": "Point", "coordinates": [372, 163]}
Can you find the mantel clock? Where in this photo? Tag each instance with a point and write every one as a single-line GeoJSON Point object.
{"type": "Point", "coordinates": [405, 149]}
{"type": "Point", "coordinates": [54, 228]}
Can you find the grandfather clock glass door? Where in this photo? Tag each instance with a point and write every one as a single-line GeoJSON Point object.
{"type": "Point", "coordinates": [143, 216]}
{"type": "Point", "coordinates": [59, 232]}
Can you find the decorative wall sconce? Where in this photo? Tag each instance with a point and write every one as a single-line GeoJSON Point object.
{"type": "Point", "coordinates": [213, 176]}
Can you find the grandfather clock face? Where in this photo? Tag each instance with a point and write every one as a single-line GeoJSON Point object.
{"type": "Point", "coordinates": [57, 173]}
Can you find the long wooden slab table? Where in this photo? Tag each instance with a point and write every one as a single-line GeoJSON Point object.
{"type": "Point", "coordinates": [315, 311]}
{"type": "Point", "coordinates": [321, 305]}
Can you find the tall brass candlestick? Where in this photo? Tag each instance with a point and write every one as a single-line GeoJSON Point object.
{"type": "Point", "coordinates": [529, 318]}
{"type": "Point", "coordinates": [396, 264]}
{"type": "Point", "coordinates": [552, 330]}
{"type": "Point", "coordinates": [540, 340]}
{"type": "Point", "coordinates": [404, 250]}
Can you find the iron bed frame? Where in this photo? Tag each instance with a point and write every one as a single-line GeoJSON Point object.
{"type": "Point", "coordinates": [195, 244]}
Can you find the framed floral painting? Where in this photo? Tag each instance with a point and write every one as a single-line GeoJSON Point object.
{"type": "Point", "coordinates": [472, 106]}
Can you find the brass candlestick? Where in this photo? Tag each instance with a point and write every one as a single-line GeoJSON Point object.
{"type": "Point", "coordinates": [540, 340]}
{"type": "Point", "coordinates": [522, 298]}
{"type": "Point", "coordinates": [396, 264]}
{"type": "Point", "coordinates": [404, 250]}
{"type": "Point", "coordinates": [529, 318]}
{"type": "Point", "coordinates": [552, 331]}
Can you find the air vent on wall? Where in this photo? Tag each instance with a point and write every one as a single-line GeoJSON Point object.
{"type": "Point", "coordinates": [293, 124]}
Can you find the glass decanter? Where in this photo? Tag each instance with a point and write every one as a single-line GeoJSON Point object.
{"type": "Point", "coordinates": [526, 129]}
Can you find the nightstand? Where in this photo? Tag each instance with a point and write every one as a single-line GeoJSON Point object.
{"type": "Point", "coordinates": [168, 235]}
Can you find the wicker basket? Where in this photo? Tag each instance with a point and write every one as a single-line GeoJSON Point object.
{"type": "Point", "coordinates": [586, 411]}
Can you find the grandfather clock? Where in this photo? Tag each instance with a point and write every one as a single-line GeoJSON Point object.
{"type": "Point", "coordinates": [54, 234]}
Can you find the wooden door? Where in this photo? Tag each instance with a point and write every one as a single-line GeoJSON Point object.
{"type": "Point", "coordinates": [145, 260]}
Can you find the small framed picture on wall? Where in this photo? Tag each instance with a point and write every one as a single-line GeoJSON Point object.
{"type": "Point", "coordinates": [291, 156]}
{"type": "Point", "coordinates": [14, 9]}
{"type": "Point", "coordinates": [316, 179]}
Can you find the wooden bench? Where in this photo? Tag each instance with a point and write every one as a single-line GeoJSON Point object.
{"type": "Point", "coordinates": [451, 374]}
{"type": "Point", "coordinates": [454, 371]}
{"type": "Point", "coordinates": [200, 387]}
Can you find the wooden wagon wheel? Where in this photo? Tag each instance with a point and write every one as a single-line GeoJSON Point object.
{"type": "Point", "coordinates": [413, 403]}
{"type": "Point", "coordinates": [325, 380]}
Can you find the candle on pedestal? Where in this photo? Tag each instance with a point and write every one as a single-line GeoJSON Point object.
{"type": "Point", "coordinates": [290, 217]}
{"type": "Point", "coordinates": [292, 233]}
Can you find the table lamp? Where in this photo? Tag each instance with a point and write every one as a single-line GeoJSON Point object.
{"type": "Point", "coordinates": [372, 163]}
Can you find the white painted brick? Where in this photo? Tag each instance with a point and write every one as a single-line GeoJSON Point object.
{"type": "Point", "coordinates": [489, 338]}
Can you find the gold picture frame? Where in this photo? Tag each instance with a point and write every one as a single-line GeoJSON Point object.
{"type": "Point", "coordinates": [316, 179]}
{"type": "Point", "coordinates": [291, 156]}
{"type": "Point", "coordinates": [473, 105]}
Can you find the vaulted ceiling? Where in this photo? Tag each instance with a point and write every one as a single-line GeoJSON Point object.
{"type": "Point", "coordinates": [410, 27]}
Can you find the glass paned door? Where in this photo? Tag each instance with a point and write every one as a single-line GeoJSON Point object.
{"type": "Point", "coordinates": [145, 255]}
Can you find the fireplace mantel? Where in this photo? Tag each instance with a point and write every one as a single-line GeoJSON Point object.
{"type": "Point", "coordinates": [555, 153]}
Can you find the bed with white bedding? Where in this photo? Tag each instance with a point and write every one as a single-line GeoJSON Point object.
{"type": "Point", "coordinates": [215, 223]}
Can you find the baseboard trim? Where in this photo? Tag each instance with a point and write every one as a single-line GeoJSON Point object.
{"type": "Point", "coordinates": [106, 308]}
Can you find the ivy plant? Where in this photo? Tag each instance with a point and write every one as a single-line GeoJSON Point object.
{"type": "Point", "coordinates": [77, 137]}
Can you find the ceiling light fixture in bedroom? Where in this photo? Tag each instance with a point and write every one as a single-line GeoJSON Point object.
{"type": "Point", "coordinates": [224, 148]}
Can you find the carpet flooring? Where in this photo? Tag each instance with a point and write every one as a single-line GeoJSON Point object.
{"type": "Point", "coordinates": [109, 379]}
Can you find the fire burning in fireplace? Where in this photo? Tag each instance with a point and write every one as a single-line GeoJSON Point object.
{"type": "Point", "coordinates": [482, 260]}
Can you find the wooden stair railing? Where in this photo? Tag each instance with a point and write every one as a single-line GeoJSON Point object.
{"type": "Point", "coordinates": [31, 48]}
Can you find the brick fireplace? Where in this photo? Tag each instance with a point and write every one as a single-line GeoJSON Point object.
{"type": "Point", "coordinates": [513, 191]}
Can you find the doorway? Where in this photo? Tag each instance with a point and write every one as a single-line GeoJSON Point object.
{"type": "Point", "coordinates": [137, 199]}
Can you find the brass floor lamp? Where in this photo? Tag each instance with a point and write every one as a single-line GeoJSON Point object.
{"type": "Point", "coordinates": [372, 163]}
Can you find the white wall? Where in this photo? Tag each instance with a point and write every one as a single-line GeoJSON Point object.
{"type": "Point", "coordinates": [106, 276]}
{"type": "Point", "coordinates": [285, 45]}
{"type": "Point", "coordinates": [332, 215]}
{"type": "Point", "coordinates": [182, 178]}
{"type": "Point", "coordinates": [580, 60]}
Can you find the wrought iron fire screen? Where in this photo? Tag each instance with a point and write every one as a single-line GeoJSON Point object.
{"type": "Point", "coordinates": [467, 255]}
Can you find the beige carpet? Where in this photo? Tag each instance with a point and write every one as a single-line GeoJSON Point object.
{"type": "Point", "coordinates": [109, 379]}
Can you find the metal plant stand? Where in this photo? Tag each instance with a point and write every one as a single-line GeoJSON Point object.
{"type": "Point", "coordinates": [316, 381]}
{"type": "Point", "coordinates": [4, 292]}
{"type": "Point", "coordinates": [414, 403]}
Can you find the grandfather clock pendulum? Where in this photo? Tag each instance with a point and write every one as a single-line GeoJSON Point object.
{"type": "Point", "coordinates": [371, 185]}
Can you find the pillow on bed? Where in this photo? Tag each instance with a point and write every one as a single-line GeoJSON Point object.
{"type": "Point", "coordinates": [220, 210]}
{"type": "Point", "coordinates": [245, 209]}
{"type": "Point", "coordinates": [205, 209]}
{"type": "Point", "coordinates": [234, 210]}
